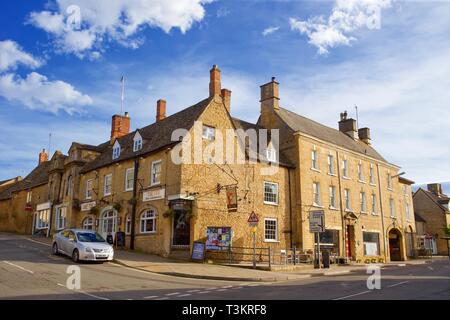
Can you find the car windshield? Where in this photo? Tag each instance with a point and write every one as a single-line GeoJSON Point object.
{"type": "Point", "coordinates": [90, 237]}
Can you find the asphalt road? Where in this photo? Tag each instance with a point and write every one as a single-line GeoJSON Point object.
{"type": "Point", "coordinates": [29, 271]}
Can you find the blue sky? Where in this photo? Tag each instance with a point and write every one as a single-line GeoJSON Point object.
{"type": "Point", "coordinates": [391, 58]}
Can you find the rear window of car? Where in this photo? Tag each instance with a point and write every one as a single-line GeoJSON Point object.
{"type": "Point", "coordinates": [90, 237]}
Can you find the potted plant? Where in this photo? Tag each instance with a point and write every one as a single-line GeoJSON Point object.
{"type": "Point", "coordinates": [170, 213]}
{"type": "Point", "coordinates": [117, 206]}
{"type": "Point", "coordinates": [94, 210]}
{"type": "Point", "coordinates": [76, 204]}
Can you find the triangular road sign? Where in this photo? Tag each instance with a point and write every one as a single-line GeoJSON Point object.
{"type": "Point", "coordinates": [253, 218]}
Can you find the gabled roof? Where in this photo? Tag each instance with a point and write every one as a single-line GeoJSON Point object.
{"type": "Point", "coordinates": [244, 125]}
{"type": "Point", "coordinates": [37, 177]}
{"type": "Point", "coordinates": [322, 132]}
{"type": "Point", "coordinates": [438, 200]}
{"type": "Point", "coordinates": [155, 136]}
{"type": "Point", "coordinates": [418, 218]}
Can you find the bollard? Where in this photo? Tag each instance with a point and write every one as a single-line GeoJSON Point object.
{"type": "Point", "coordinates": [270, 258]}
{"type": "Point", "coordinates": [295, 255]}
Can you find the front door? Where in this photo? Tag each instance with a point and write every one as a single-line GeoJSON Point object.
{"type": "Point", "coordinates": [394, 246]}
{"type": "Point", "coordinates": [181, 234]}
{"type": "Point", "coordinates": [350, 236]}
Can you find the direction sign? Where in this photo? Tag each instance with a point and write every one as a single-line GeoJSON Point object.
{"type": "Point", "coordinates": [317, 221]}
{"type": "Point", "coordinates": [253, 219]}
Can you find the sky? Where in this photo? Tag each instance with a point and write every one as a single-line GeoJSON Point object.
{"type": "Point", "coordinates": [61, 62]}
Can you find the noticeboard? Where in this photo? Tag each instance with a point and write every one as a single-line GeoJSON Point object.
{"type": "Point", "coordinates": [120, 239]}
{"type": "Point", "coordinates": [198, 251]}
{"type": "Point", "coordinates": [317, 221]}
{"type": "Point", "coordinates": [218, 238]}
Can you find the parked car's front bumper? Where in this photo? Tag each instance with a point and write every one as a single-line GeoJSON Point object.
{"type": "Point", "coordinates": [89, 256]}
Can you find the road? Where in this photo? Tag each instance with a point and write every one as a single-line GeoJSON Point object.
{"type": "Point", "coordinates": [29, 271]}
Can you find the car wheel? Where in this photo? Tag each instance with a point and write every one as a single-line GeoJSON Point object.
{"type": "Point", "coordinates": [55, 251]}
{"type": "Point", "coordinates": [76, 256]}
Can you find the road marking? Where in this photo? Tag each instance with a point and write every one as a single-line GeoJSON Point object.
{"type": "Point", "coordinates": [202, 292]}
{"type": "Point", "coordinates": [184, 295]}
{"type": "Point", "coordinates": [220, 290]}
{"type": "Point", "coordinates": [164, 298]}
{"type": "Point", "coordinates": [19, 267]}
{"type": "Point", "coordinates": [151, 297]}
{"type": "Point", "coordinates": [84, 292]}
{"type": "Point", "coordinates": [227, 287]}
{"type": "Point", "coordinates": [237, 288]}
{"type": "Point", "coordinates": [401, 265]}
{"type": "Point", "coordinates": [253, 285]}
{"type": "Point", "coordinates": [397, 284]}
{"type": "Point", "coordinates": [192, 291]}
{"type": "Point", "coordinates": [431, 268]}
{"type": "Point", "coordinates": [172, 294]}
{"type": "Point", "coordinates": [352, 295]}
{"type": "Point", "coordinates": [45, 244]}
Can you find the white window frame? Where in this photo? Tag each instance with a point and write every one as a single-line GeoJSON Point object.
{"type": "Point", "coordinates": [332, 191]}
{"type": "Point", "coordinates": [364, 244]}
{"type": "Point", "coordinates": [372, 175]}
{"type": "Point", "coordinates": [315, 160]}
{"type": "Point", "coordinates": [317, 199]}
{"type": "Point", "coordinates": [266, 193]}
{"type": "Point", "coordinates": [61, 222]}
{"type": "Point", "coordinates": [345, 168]}
{"type": "Point", "coordinates": [42, 219]}
{"type": "Point", "coordinates": [128, 224]}
{"type": "Point", "coordinates": [153, 182]}
{"type": "Point", "coordinates": [143, 221]}
{"type": "Point", "coordinates": [275, 231]}
{"type": "Point", "coordinates": [271, 154]}
{"type": "Point", "coordinates": [116, 151]}
{"type": "Point", "coordinates": [363, 202]}
{"type": "Point", "coordinates": [29, 196]}
{"type": "Point", "coordinates": [392, 210]}
{"type": "Point", "coordinates": [137, 142]}
{"type": "Point", "coordinates": [127, 188]}
{"type": "Point", "coordinates": [374, 204]}
{"type": "Point", "coordinates": [331, 170]}
{"type": "Point", "coordinates": [360, 172]}
{"type": "Point", "coordinates": [88, 221]}
{"type": "Point", "coordinates": [347, 199]}
{"type": "Point", "coordinates": [208, 133]}
{"type": "Point", "coordinates": [389, 181]}
{"type": "Point", "coordinates": [105, 193]}
{"type": "Point", "coordinates": [89, 190]}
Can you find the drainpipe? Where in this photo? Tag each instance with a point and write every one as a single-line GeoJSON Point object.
{"type": "Point", "coordinates": [341, 204]}
{"type": "Point", "coordinates": [382, 213]}
{"type": "Point", "coordinates": [133, 207]}
{"type": "Point", "coordinates": [290, 206]}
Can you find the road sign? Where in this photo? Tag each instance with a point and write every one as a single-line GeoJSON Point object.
{"type": "Point", "coordinates": [253, 218]}
{"type": "Point", "coordinates": [317, 221]}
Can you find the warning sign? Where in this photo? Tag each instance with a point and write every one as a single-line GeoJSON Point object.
{"type": "Point", "coordinates": [253, 219]}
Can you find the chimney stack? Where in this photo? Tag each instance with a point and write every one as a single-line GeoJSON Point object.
{"type": "Point", "coordinates": [348, 126]}
{"type": "Point", "coordinates": [226, 97]}
{"type": "Point", "coordinates": [214, 84]}
{"type": "Point", "coordinates": [43, 156]}
{"type": "Point", "coordinates": [364, 135]}
{"type": "Point", "coordinates": [120, 126]}
{"type": "Point", "coordinates": [270, 103]}
{"type": "Point", "coordinates": [161, 110]}
{"type": "Point", "coordinates": [435, 188]}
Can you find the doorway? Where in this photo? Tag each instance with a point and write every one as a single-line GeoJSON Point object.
{"type": "Point", "coordinates": [181, 229]}
{"type": "Point", "coordinates": [395, 245]}
{"type": "Point", "coordinates": [109, 224]}
{"type": "Point", "coordinates": [350, 243]}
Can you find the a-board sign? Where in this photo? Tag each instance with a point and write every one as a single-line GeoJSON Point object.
{"type": "Point", "coordinates": [120, 239]}
{"type": "Point", "coordinates": [198, 251]}
{"type": "Point", "coordinates": [317, 221]}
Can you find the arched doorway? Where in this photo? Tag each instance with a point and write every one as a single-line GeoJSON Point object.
{"type": "Point", "coordinates": [395, 241]}
{"type": "Point", "coordinates": [108, 223]}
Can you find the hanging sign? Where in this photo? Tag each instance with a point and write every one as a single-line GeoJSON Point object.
{"type": "Point", "coordinates": [156, 194]}
{"type": "Point", "coordinates": [88, 205]}
{"type": "Point", "coordinates": [232, 199]}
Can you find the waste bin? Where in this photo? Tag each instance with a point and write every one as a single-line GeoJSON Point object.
{"type": "Point", "coordinates": [326, 258]}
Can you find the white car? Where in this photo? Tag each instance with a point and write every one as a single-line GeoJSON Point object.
{"type": "Point", "coordinates": [82, 245]}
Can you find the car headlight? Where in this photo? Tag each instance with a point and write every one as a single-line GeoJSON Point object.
{"type": "Point", "coordinates": [89, 250]}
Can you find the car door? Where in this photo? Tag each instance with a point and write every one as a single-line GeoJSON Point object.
{"type": "Point", "coordinates": [71, 242]}
{"type": "Point", "coordinates": [62, 240]}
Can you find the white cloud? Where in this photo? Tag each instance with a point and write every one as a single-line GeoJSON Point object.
{"type": "Point", "coordinates": [346, 17]}
{"type": "Point", "coordinates": [11, 55]}
{"type": "Point", "coordinates": [82, 25]}
{"type": "Point", "coordinates": [270, 30]}
{"type": "Point", "coordinates": [37, 92]}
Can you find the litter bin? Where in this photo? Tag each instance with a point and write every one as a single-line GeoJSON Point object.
{"type": "Point", "coordinates": [326, 258]}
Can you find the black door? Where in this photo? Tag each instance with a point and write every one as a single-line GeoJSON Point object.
{"type": "Point", "coordinates": [181, 229]}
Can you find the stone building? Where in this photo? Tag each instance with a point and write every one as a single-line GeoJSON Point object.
{"type": "Point", "coordinates": [132, 184]}
{"type": "Point", "coordinates": [433, 215]}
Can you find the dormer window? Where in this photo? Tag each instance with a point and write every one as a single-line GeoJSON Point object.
{"type": "Point", "coordinates": [137, 142]}
{"type": "Point", "coordinates": [116, 150]}
{"type": "Point", "coordinates": [271, 154]}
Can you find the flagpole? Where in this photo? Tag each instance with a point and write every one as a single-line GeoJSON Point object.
{"type": "Point", "coordinates": [123, 95]}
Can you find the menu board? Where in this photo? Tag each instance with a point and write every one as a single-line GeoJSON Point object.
{"type": "Point", "coordinates": [218, 238]}
{"type": "Point", "coordinates": [198, 251]}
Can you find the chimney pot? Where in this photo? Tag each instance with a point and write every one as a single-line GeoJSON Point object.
{"type": "Point", "coordinates": [270, 103]}
{"type": "Point", "coordinates": [364, 135]}
{"type": "Point", "coordinates": [161, 110]}
{"type": "Point", "coordinates": [214, 84]}
{"type": "Point", "coordinates": [348, 126]}
{"type": "Point", "coordinates": [435, 188]}
{"type": "Point", "coordinates": [43, 156]}
{"type": "Point", "coordinates": [120, 126]}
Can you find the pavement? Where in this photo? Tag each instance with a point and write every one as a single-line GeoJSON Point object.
{"type": "Point", "coordinates": [28, 270]}
{"type": "Point", "coordinates": [235, 272]}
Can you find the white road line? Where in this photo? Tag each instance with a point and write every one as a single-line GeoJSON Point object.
{"type": "Point", "coordinates": [227, 287]}
{"type": "Point", "coordinates": [19, 267]}
{"type": "Point", "coordinates": [202, 292]}
{"type": "Point", "coordinates": [397, 284]}
{"type": "Point", "coordinates": [172, 294]}
{"type": "Point", "coordinates": [352, 295]}
{"type": "Point", "coordinates": [84, 292]}
{"type": "Point", "coordinates": [45, 244]}
{"type": "Point", "coordinates": [253, 285]}
{"type": "Point", "coordinates": [192, 291]}
{"type": "Point", "coordinates": [151, 297]}
{"type": "Point", "coordinates": [431, 268]}
{"type": "Point", "coordinates": [220, 290]}
{"type": "Point", "coordinates": [164, 298]}
{"type": "Point", "coordinates": [184, 295]}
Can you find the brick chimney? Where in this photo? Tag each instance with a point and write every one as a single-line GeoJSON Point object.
{"type": "Point", "coordinates": [120, 126]}
{"type": "Point", "coordinates": [43, 156]}
{"type": "Point", "coordinates": [270, 103]}
{"type": "Point", "coordinates": [364, 135]}
{"type": "Point", "coordinates": [435, 188]}
{"type": "Point", "coordinates": [226, 97]}
{"type": "Point", "coordinates": [161, 110]}
{"type": "Point", "coordinates": [348, 126]}
{"type": "Point", "coordinates": [214, 84]}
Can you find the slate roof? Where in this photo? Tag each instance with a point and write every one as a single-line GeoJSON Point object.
{"type": "Point", "coordinates": [244, 125]}
{"type": "Point", "coordinates": [418, 218]}
{"type": "Point", "coordinates": [37, 177]}
{"type": "Point", "coordinates": [438, 200]}
{"type": "Point", "coordinates": [155, 136]}
{"type": "Point", "coordinates": [315, 129]}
